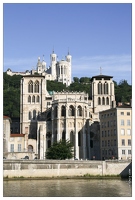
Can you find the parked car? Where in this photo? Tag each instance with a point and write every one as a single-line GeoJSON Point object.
{"type": "Point", "coordinates": [26, 158]}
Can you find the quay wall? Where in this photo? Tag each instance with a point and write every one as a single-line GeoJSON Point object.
{"type": "Point", "coordinates": [64, 168]}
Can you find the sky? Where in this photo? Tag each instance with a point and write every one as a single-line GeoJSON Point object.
{"type": "Point", "coordinates": [97, 35]}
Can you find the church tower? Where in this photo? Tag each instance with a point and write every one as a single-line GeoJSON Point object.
{"type": "Point", "coordinates": [103, 96]}
{"type": "Point", "coordinates": [53, 61]}
{"type": "Point", "coordinates": [41, 66]}
{"type": "Point", "coordinates": [69, 59]}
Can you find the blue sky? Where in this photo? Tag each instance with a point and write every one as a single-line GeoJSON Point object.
{"type": "Point", "coordinates": [96, 34]}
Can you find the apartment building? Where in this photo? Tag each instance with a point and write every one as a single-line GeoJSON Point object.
{"type": "Point", "coordinates": [115, 133]}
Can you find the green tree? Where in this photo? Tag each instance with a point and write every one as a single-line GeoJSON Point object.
{"type": "Point", "coordinates": [11, 95]}
{"type": "Point", "coordinates": [76, 79]}
{"type": "Point", "coordinates": [85, 80]}
{"type": "Point", "coordinates": [55, 86]}
{"type": "Point", "coordinates": [123, 92]}
{"type": "Point", "coordinates": [60, 150]}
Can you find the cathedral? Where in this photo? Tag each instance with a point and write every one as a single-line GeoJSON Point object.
{"type": "Point", "coordinates": [46, 117]}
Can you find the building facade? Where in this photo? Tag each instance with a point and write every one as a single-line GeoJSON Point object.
{"type": "Point", "coordinates": [116, 133]}
{"type": "Point", "coordinates": [6, 133]}
{"type": "Point", "coordinates": [46, 117]}
{"type": "Point", "coordinates": [68, 118]}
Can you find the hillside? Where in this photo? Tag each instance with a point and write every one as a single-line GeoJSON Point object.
{"type": "Point", "coordinates": [11, 91]}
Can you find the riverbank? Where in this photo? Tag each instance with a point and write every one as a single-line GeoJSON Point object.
{"type": "Point", "coordinates": [64, 177]}
{"type": "Point", "coordinates": [65, 169]}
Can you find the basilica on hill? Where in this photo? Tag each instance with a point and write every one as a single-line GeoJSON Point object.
{"type": "Point", "coordinates": [58, 70]}
{"type": "Point", "coordinates": [48, 116]}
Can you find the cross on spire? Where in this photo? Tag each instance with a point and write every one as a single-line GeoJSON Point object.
{"type": "Point", "coordinates": [100, 70]}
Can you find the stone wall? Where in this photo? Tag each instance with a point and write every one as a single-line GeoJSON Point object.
{"type": "Point", "coordinates": [66, 168]}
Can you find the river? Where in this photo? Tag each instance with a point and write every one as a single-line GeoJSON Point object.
{"type": "Point", "coordinates": [67, 188]}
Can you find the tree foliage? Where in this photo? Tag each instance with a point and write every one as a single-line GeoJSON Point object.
{"type": "Point", "coordinates": [11, 91]}
{"type": "Point", "coordinates": [11, 95]}
{"type": "Point", "coordinates": [55, 86]}
{"type": "Point", "coordinates": [76, 79]}
{"type": "Point", "coordinates": [60, 150]}
{"type": "Point", "coordinates": [123, 92]}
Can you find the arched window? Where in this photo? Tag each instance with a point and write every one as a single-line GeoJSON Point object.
{"type": "Point", "coordinates": [72, 138]}
{"type": "Point", "coordinates": [105, 88]}
{"type": "Point", "coordinates": [79, 138]}
{"type": "Point", "coordinates": [34, 114]}
{"type": "Point", "coordinates": [99, 101]}
{"type": "Point", "coordinates": [37, 99]}
{"type": "Point", "coordinates": [63, 111]}
{"type": "Point", "coordinates": [49, 143]}
{"type": "Point", "coordinates": [103, 101]}
{"type": "Point", "coordinates": [99, 88]}
{"type": "Point", "coordinates": [71, 111]}
{"type": "Point", "coordinates": [30, 115]}
{"type": "Point", "coordinates": [85, 111]}
{"type": "Point", "coordinates": [79, 111]}
{"type": "Point", "coordinates": [61, 69]}
{"type": "Point", "coordinates": [63, 135]}
{"type": "Point", "coordinates": [55, 136]}
{"type": "Point", "coordinates": [30, 148]}
{"type": "Point", "coordinates": [30, 86]}
{"type": "Point", "coordinates": [36, 86]}
{"type": "Point", "coordinates": [33, 98]}
{"type": "Point", "coordinates": [29, 99]}
{"type": "Point", "coordinates": [107, 101]}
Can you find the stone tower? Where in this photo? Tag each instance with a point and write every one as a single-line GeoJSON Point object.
{"type": "Point", "coordinates": [103, 96]}
{"type": "Point", "coordinates": [41, 66]}
{"type": "Point", "coordinates": [53, 61]}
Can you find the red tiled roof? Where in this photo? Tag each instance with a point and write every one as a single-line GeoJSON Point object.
{"type": "Point", "coordinates": [6, 117]}
{"type": "Point", "coordinates": [17, 135]}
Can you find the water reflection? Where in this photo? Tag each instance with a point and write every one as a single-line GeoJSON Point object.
{"type": "Point", "coordinates": [67, 188]}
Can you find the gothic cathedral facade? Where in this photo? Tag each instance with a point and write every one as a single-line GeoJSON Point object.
{"type": "Point", "coordinates": [46, 118]}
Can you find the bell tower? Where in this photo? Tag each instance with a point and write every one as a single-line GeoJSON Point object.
{"type": "Point", "coordinates": [69, 60]}
{"type": "Point", "coordinates": [53, 61]}
{"type": "Point", "coordinates": [103, 95]}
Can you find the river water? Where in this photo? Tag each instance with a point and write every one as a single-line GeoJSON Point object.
{"type": "Point", "coordinates": [67, 188]}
